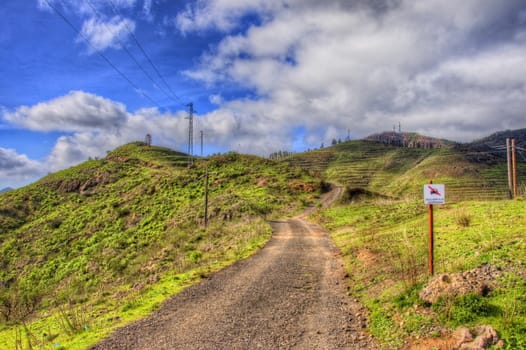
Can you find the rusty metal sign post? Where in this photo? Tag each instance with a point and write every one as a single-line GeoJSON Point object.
{"type": "Point", "coordinates": [433, 194]}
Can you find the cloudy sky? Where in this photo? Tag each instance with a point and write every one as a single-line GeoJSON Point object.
{"type": "Point", "coordinates": [81, 77]}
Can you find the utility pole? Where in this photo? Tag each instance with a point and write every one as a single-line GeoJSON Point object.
{"type": "Point", "coordinates": [206, 197]}
{"type": "Point", "coordinates": [514, 167]}
{"type": "Point", "coordinates": [508, 157]}
{"type": "Point", "coordinates": [190, 132]}
{"type": "Point", "coordinates": [202, 137]}
{"type": "Point", "coordinates": [431, 256]}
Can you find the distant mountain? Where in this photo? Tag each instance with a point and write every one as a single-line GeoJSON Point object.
{"type": "Point", "coordinates": [7, 189]}
{"type": "Point", "coordinates": [492, 149]}
{"type": "Point", "coordinates": [409, 139]}
{"type": "Point", "coordinates": [499, 138]}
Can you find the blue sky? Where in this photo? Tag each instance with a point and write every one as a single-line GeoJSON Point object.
{"type": "Point", "coordinates": [264, 75]}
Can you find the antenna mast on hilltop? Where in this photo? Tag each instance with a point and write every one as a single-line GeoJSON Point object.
{"type": "Point", "coordinates": [190, 132]}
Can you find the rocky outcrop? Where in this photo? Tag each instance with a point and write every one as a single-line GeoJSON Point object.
{"type": "Point", "coordinates": [480, 338]}
{"type": "Point", "coordinates": [480, 280]}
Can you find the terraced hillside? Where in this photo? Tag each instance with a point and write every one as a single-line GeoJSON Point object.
{"type": "Point", "coordinates": [382, 230]}
{"type": "Point", "coordinates": [400, 172]}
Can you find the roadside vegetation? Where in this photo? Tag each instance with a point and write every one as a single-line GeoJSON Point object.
{"type": "Point", "coordinates": [381, 227]}
{"type": "Point", "coordinates": [385, 245]}
{"type": "Point", "coordinates": [93, 247]}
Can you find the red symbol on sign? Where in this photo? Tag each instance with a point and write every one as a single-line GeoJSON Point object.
{"type": "Point", "coordinates": [434, 190]}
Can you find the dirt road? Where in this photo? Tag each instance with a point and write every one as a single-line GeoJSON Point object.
{"type": "Point", "coordinates": [290, 295]}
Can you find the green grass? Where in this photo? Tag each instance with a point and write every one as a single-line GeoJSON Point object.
{"type": "Point", "coordinates": [400, 172]}
{"type": "Point", "coordinates": [108, 310]}
{"type": "Point", "coordinates": [90, 248]}
{"type": "Point", "coordinates": [381, 226]}
{"type": "Point", "coordinates": [385, 248]}
{"type": "Point", "coordinates": [110, 239]}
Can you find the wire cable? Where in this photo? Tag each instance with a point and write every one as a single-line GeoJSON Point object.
{"type": "Point", "coordinates": [128, 52]}
{"type": "Point", "coordinates": [148, 57]}
{"type": "Point", "coordinates": [104, 57]}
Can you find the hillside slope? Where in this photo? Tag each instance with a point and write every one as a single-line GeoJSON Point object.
{"type": "Point", "coordinates": [97, 236]}
{"type": "Point", "coordinates": [382, 229]}
{"type": "Point", "coordinates": [499, 138]}
{"type": "Point", "coordinates": [400, 172]}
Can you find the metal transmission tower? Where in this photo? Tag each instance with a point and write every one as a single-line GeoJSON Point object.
{"type": "Point", "coordinates": [190, 132]}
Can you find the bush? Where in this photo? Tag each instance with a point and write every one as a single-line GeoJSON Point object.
{"type": "Point", "coordinates": [195, 256]}
{"type": "Point", "coordinates": [463, 219]}
{"type": "Point", "coordinates": [325, 187]}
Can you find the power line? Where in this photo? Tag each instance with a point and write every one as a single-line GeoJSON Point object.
{"type": "Point", "coordinates": [123, 46]}
{"type": "Point", "coordinates": [147, 56]}
{"type": "Point", "coordinates": [135, 87]}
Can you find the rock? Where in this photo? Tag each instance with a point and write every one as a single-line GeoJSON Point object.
{"type": "Point", "coordinates": [480, 280]}
{"type": "Point", "coordinates": [463, 335]}
{"type": "Point", "coordinates": [480, 338]}
{"type": "Point", "coordinates": [486, 336]}
{"type": "Point", "coordinates": [500, 344]}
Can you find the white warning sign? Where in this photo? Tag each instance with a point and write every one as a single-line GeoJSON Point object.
{"type": "Point", "coordinates": [434, 194]}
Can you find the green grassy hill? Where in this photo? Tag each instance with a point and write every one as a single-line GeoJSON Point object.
{"type": "Point", "coordinates": [89, 248]}
{"type": "Point", "coordinates": [381, 226]}
{"type": "Point", "coordinates": [98, 245]}
{"type": "Point", "coordinates": [400, 172]}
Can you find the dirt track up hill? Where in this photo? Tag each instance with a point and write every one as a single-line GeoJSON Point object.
{"type": "Point", "coordinates": [290, 295]}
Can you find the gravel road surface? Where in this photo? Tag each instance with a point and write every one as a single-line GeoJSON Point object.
{"type": "Point", "coordinates": [290, 295]}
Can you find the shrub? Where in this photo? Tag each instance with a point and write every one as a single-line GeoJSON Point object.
{"type": "Point", "coordinates": [463, 219]}
{"type": "Point", "coordinates": [195, 256]}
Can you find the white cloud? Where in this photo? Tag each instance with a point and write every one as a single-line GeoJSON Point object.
{"type": "Point", "coordinates": [43, 5]}
{"type": "Point", "coordinates": [83, 7]}
{"type": "Point", "coordinates": [96, 125]}
{"type": "Point", "coordinates": [215, 99]}
{"type": "Point", "coordinates": [147, 9]}
{"type": "Point", "coordinates": [17, 169]}
{"type": "Point", "coordinates": [219, 14]}
{"type": "Point", "coordinates": [102, 27]}
{"type": "Point", "coordinates": [365, 66]}
{"type": "Point", "coordinates": [447, 69]}
{"type": "Point", "coordinates": [102, 35]}
{"type": "Point", "coordinates": [77, 111]}
{"type": "Point", "coordinates": [123, 3]}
